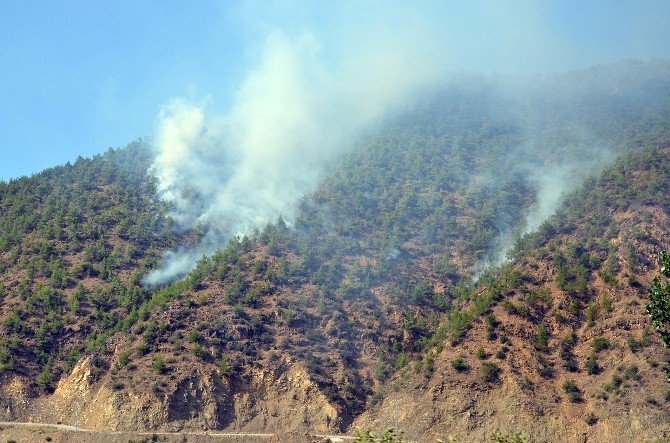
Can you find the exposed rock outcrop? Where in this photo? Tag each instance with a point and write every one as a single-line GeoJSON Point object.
{"type": "Point", "coordinates": [284, 398]}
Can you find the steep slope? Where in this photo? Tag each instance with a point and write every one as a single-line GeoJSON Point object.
{"type": "Point", "coordinates": [310, 326]}
{"type": "Point", "coordinates": [558, 345]}
{"type": "Point", "coordinates": [75, 241]}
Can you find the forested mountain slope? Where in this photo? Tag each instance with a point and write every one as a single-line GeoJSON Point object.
{"type": "Point", "coordinates": [558, 343]}
{"type": "Point", "coordinates": [75, 241]}
{"type": "Point", "coordinates": [367, 295]}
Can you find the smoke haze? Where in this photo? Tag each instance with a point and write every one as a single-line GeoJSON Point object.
{"type": "Point", "coordinates": [317, 81]}
{"type": "Point", "coordinates": [229, 174]}
{"type": "Point", "coordinates": [552, 182]}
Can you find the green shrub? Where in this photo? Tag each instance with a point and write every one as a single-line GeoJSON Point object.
{"type": "Point", "coordinates": [124, 357]}
{"type": "Point", "coordinates": [600, 344]}
{"type": "Point", "coordinates": [459, 364]}
{"type": "Point", "coordinates": [567, 355]}
{"type": "Point", "coordinates": [637, 345]}
{"type": "Point", "coordinates": [490, 372]}
{"type": "Point", "coordinates": [591, 364]}
{"type": "Point", "coordinates": [198, 351]}
{"type": "Point", "coordinates": [592, 312]}
{"type": "Point", "coordinates": [514, 437]}
{"type": "Point", "coordinates": [142, 349]}
{"type": "Point", "coordinates": [6, 359]}
{"type": "Point", "coordinates": [429, 363]}
{"type": "Point", "coordinates": [502, 353]}
{"type": "Point", "coordinates": [632, 372]}
{"type": "Point", "coordinates": [400, 361]}
{"type": "Point", "coordinates": [458, 324]}
{"type": "Point", "coordinates": [591, 419]}
{"type": "Point", "coordinates": [514, 309]}
{"type": "Point", "coordinates": [574, 393]}
{"type": "Point", "coordinates": [542, 338]}
{"type": "Point", "coordinates": [574, 308]}
{"type": "Point", "coordinates": [544, 368]}
{"type": "Point", "coordinates": [607, 304]}
{"type": "Point", "coordinates": [194, 336]}
{"type": "Point", "coordinates": [491, 320]}
{"type": "Point", "coordinates": [390, 435]}
{"type": "Point", "coordinates": [570, 339]}
{"type": "Point", "coordinates": [224, 366]}
{"type": "Point", "coordinates": [160, 365]}
{"type": "Point", "coordinates": [45, 378]}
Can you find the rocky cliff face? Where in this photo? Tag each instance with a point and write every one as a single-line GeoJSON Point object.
{"type": "Point", "coordinates": [284, 398]}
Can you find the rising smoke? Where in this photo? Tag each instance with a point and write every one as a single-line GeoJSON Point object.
{"type": "Point", "coordinates": [314, 88]}
{"type": "Point", "coordinates": [227, 175]}
{"type": "Point", "coordinates": [552, 182]}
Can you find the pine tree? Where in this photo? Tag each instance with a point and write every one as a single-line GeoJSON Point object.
{"type": "Point", "coordinates": [659, 303]}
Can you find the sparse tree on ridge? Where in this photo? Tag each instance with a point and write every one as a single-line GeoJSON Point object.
{"type": "Point", "coordinates": [659, 302]}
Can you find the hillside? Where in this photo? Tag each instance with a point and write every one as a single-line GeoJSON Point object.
{"type": "Point", "coordinates": [366, 297]}
{"type": "Point", "coordinates": [557, 343]}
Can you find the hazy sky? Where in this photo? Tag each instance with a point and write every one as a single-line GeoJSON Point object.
{"type": "Point", "coordinates": [80, 76]}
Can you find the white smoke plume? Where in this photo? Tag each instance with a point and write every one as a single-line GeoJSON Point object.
{"type": "Point", "coordinates": [552, 183]}
{"type": "Point", "coordinates": [227, 175]}
{"type": "Point", "coordinates": [325, 73]}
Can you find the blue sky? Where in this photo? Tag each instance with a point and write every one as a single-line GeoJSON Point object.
{"type": "Point", "coordinates": [80, 76]}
